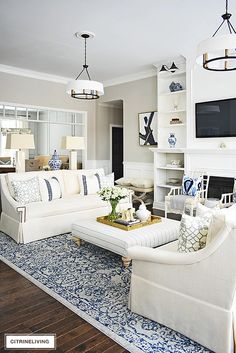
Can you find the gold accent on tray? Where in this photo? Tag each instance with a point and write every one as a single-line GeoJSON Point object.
{"type": "Point", "coordinates": [153, 220]}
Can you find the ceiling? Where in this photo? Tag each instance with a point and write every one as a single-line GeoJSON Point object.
{"type": "Point", "coordinates": [131, 35]}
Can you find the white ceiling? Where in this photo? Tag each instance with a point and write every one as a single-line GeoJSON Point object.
{"type": "Point", "coordinates": [131, 35]}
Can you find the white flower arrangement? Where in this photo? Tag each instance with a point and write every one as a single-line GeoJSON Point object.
{"type": "Point", "coordinates": [114, 193]}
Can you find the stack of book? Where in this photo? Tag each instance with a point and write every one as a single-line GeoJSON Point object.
{"type": "Point", "coordinates": [127, 223]}
{"type": "Point", "coordinates": [175, 121]}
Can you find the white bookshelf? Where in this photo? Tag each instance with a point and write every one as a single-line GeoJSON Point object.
{"type": "Point", "coordinates": [163, 172]}
{"type": "Point", "coordinates": [170, 105]}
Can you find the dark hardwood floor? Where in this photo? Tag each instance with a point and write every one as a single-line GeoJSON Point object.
{"type": "Point", "coordinates": [24, 308]}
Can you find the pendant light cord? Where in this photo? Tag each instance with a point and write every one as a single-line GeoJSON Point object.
{"type": "Point", "coordinates": [226, 16]}
{"type": "Point", "coordinates": [85, 66]}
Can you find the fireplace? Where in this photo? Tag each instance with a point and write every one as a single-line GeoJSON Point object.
{"type": "Point", "coordinates": [219, 185]}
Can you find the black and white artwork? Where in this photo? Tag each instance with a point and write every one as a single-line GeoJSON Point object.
{"type": "Point", "coordinates": [148, 129]}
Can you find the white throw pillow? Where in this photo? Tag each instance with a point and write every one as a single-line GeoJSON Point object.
{"type": "Point", "coordinates": [124, 181]}
{"type": "Point", "coordinates": [26, 191]}
{"type": "Point", "coordinates": [89, 184]}
{"type": "Point", "coordinates": [50, 189]}
{"type": "Point", "coordinates": [217, 219]}
{"type": "Point", "coordinates": [193, 233]}
{"type": "Point", "coordinates": [142, 183]}
{"type": "Point", "coordinates": [107, 180]}
{"type": "Point", "coordinates": [202, 210]}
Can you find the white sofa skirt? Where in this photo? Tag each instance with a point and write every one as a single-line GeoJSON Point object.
{"type": "Point", "coordinates": [40, 228]}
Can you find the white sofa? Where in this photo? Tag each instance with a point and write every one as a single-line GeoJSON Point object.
{"type": "Point", "coordinates": [192, 293]}
{"type": "Point", "coordinates": [37, 220]}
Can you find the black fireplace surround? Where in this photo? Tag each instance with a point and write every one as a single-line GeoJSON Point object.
{"type": "Point", "coordinates": [218, 186]}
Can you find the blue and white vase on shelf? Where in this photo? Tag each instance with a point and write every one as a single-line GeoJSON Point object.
{"type": "Point", "coordinates": [172, 140]}
{"type": "Point", "coordinates": [55, 163]}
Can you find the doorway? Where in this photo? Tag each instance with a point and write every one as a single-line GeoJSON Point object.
{"type": "Point", "coordinates": [116, 150]}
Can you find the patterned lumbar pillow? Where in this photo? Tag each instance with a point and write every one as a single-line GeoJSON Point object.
{"type": "Point", "coordinates": [191, 185]}
{"type": "Point", "coordinates": [193, 233]}
{"type": "Point", "coordinates": [26, 191]}
{"type": "Point", "coordinates": [107, 180]}
{"type": "Point", "coordinates": [89, 184]}
{"type": "Point", "coordinates": [50, 189]}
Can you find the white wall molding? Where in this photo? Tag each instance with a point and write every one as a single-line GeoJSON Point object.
{"type": "Point", "coordinates": [94, 164]}
{"type": "Point", "coordinates": [61, 79]}
{"type": "Point", "coordinates": [138, 170]}
{"type": "Point", "coordinates": [178, 60]}
{"type": "Point", "coordinates": [130, 78]}
{"type": "Point", "coordinates": [131, 169]}
{"type": "Point", "coordinates": [33, 74]}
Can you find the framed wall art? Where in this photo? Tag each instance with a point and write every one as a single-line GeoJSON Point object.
{"type": "Point", "coordinates": [147, 129]}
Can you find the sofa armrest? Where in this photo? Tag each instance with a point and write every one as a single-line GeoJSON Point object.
{"type": "Point", "coordinates": [162, 256]}
{"type": "Point", "coordinates": [165, 257]}
{"type": "Point", "coordinates": [11, 207]}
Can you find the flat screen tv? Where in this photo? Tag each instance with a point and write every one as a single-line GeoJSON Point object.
{"type": "Point", "coordinates": [216, 118]}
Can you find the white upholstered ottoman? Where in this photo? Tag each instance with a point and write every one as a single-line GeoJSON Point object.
{"type": "Point", "coordinates": [118, 240]}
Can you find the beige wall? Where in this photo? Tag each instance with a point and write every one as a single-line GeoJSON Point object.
{"type": "Point", "coordinates": [138, 96]}
{"type": "Point", "coordinates": [24, 90]}
{"type": "Point", "coordinates": [105, 115]}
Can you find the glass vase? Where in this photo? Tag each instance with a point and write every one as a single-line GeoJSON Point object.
{"type": "Point", "coordinates": [113, 215]}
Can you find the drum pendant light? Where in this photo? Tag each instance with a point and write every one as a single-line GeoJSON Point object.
{"type": "Point", "coordinates": [85, 89]}
{"type": "Point", "coordinates": [218, 52]}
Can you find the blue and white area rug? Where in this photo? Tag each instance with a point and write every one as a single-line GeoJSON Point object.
{"type": "Point", "coordinates": [91, 282]}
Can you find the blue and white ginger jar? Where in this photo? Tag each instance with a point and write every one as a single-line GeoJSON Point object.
{"type": "Point", "coordinates": [172, 140]}
{"type": "Point", "coordinates": [55, 163]}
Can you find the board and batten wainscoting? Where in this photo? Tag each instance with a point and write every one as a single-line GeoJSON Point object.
{"type": "Point", "coordinates": [138, 170]}
{"type": "Point", "coordinates": [94, 164]}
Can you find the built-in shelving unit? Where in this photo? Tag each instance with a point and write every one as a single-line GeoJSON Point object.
{"type": "Point", "coordinates": [163, 173]}
{"type": "Point", "coordinates": [170, 105]}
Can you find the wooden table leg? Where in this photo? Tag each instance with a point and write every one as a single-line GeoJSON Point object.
{"type": "Point", "coordinates": [77, 241]}
{"type": "Point", "coordinates": [126, 261]}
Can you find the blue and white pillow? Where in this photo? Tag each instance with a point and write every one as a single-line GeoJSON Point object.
{"type": "Point", "coordinates": [90, 184]}
{"type": "Point", "coordinates": [50, 189]}
{"type": "Point", "coordinates": [191, 185]}
{"type": "Point", "coordinates": [26, 191]}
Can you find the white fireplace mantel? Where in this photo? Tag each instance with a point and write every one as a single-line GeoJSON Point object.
{"type": "Point", "coordinates": [218, 161]}
{"type": "Point", "coordinates": [216, 151]}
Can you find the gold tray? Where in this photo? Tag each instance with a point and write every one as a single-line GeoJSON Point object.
{"type": "Point", "coordinates": [153, 220]}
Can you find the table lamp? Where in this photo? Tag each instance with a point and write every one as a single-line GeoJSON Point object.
{"type": "Point", "coordinates": [20, 142]}
{"type": "Point", "coordinates": [73, 143]}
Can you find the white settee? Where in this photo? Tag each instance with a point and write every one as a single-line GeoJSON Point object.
{"type": "Point", "coordinates": [192, 293]}
{"type": "Point", "coordinates": [38, 220]}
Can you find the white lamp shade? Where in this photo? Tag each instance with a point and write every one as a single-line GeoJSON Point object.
{"type": "Point", "coordinates": [85, 86]}
{"type": "Point", "coordinates": [215, 47]}
{"type": "Point", "coordinates": [20, 141]}
{"type": "Point", "coordinates": [72, 143]}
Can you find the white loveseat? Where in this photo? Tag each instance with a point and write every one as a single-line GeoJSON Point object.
{"type": "Point", "coordinates": [38, 220]}
{"type": "Point", "coordinates": [192, 293]}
